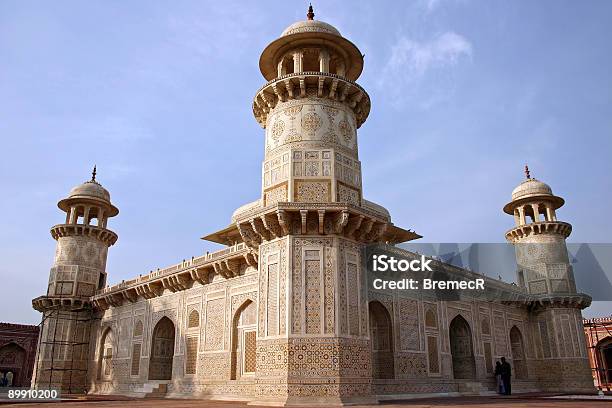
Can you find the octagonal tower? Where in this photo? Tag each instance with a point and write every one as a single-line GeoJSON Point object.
{"type": "Point", "coordinates": [311, 107]}
{"type": "Point", "coordinates": [79, 269]}
{"type": "Point", "coordinates": [309, 226]}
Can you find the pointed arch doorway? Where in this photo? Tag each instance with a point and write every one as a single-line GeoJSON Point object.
{"type": "Point", "coordinates": [162, 350]}
{"type": "Point", "coordinates": [462, 350]}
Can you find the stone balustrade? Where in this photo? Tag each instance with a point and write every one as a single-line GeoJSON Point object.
{"type": "Point", "coordinates": [322, 84]}
{"type": "Point", "coordinates": [536, 228]}
{"type": "Point", "coordinates": [227, 263]}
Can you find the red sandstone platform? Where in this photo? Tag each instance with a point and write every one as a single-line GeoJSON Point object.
{"type": "Point", "coordinates": [519, 401]}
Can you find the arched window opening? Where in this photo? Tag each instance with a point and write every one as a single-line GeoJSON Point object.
{"type": "Point", "coordinates": [12, 359]}
{"type": "Point", "coordinates": [604, 357]}
{"type": "Point", "coordinates": [518, 353]}
{"type": "Point", "coordinates": [92, 216]}
{"type": "Point", "coordinates": [529, 214]}
{"type": "Point", "coordinates": [310, 61]}
{"type": "Point", "coordinates": [462, 351]}
{"type": "Point", "coordinates": [193, 320]}
{"type": "Point", "coordinates": [80, 214]}
{"type": "Point", "coordinates": [244, 343]}
{"type": "Point", "coordinates": [543, 214]}
{"type": "Point", "coordinates": [138, 328]}
{"type": "Point", "coordinates": [381, 338]}
{"type": "Point", "coordinates": [162, 350]}
{"type": "Point", "coordinates": [105, 361]}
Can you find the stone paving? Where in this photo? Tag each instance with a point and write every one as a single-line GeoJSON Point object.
{"type": "Point", "coordinates": [532, 401]}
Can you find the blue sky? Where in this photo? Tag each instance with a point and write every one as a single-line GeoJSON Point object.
{"type": "Point", "coordinates": [158, 95]}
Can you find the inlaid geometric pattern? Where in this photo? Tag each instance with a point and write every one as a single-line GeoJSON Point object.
{"type": "Point", "coordinates": [191, 354]}
{"type": "Point", "coordinates": [250, 351]}
{"type": "Point", "coordinates": [135, 369]}
{"type": "Point", "coordinates": [432, 354]}
{"type": "Point", "coordinates": [312, 191]}
{"type": "Point", "coordinates": [409, 324]}
{"type": "Point", "coordinates": [272, 301]}
{"type": "Point", "coordinates": [352, 277]}
{"type": "Point", "coordinates": [312, 273]}
{"type": "Point", "coordinates": [215, 323]}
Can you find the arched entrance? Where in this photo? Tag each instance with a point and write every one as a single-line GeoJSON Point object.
{"type": "Point", "coordinates": [464, 366]}
{"type": "Point", "coordinates": [244, 343]}
{"type": "Point", "coordinates": [604, 355]}
{"type": "Point", "coordinates": [518, 353]}
{"type": "Point", "coordinates": [12, 361]}
{"type": "Point", "coordinates": [162, 350]}
{"type": "Point", "coordinates": [105, 360]}
{"type": "Point", "coordinates": [381, 338]}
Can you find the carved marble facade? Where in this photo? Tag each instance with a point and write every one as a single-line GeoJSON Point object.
{"type": "Point", "coordinates": [284, 313]}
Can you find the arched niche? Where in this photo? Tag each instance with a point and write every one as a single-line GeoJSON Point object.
{"type": "Point", "coordinates": [162, 350]}
{"type": "Point", "coordinates": [462, 350]}
{"type": "Point", "coordinates": [518, 353]}
{"type": "Point", "coordinates": [244, 342]}
{"type": "Point", "coordinates": [381, 338]}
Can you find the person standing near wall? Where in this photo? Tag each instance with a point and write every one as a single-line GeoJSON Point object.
{"type": "Point", "coordinates": [506, 374]}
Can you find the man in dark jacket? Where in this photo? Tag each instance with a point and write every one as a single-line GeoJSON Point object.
{"type": "Point", "coordinates": [506, 374]}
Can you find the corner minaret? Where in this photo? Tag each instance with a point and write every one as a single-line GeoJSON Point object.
{"type": "Point", "coordinates": [539, 238]}
{"type": "Point", "coordinates": [545, 273]}
{"type": "Point", "coordinates": [79, 270]}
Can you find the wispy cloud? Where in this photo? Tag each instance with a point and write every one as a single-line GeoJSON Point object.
{"type": "Point", "coordinates": [416, 58]}
{"type": "Point", "coordinates": [411, 61]}
{"type": "Point", "coordinates": [431, 4]}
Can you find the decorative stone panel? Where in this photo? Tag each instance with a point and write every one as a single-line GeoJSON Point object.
{"type": "Point", "coordinates": [276, 195]}
{"type": "Point", "coordinates": [215, 324]}
{"type": "Point", "coordinates": [311, 119]}
{"type": "Point", "coordinates": [347, 194]}
{"type": "Point", "coordinates": [312, 191]}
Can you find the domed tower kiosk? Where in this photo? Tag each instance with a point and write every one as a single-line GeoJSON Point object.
{"type": "Point", "coordinates": [78, 271]}
{"type": "Point", "coordinates": [544, 266]}
{"type": "Point", "coordinates": [311, 222]}
{"type": "Point", "coordinates": [545, 272]}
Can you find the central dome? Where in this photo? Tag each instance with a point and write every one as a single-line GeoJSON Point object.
{"type": "Point", "coordinates": [315, 35]}
{"type": "Point", "coordinates": [532, 191]}
{"type": "Point", "coordinates": [310, 26]}
{"type": "Point", "coordinates": [90, 189]}
{"type": "Point", "coordinates": [531, 187]}
{"type": "Point", "coordinates": [89, 192]}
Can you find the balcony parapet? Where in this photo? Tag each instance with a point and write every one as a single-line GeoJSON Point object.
{"type": "Point", "coordinates": [365, 225]}
{"type": "Point", "coordinates": [522, 231]}
{"type": "Point", "coordinates": [65, 230]}
{"type": "Point", "coordinates": [569, 300]}
{"type": "Point", "coordinates": [326, 85]}
{"type": "Point", "coordinates": [72, 303]}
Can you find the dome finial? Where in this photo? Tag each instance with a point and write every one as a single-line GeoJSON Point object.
{"type": "Point", "coordinates": [93, 174]}
{"type": "Point", "coordinates": [310, 15]}
{"type": "Point", "coordinates": [527, 172]}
